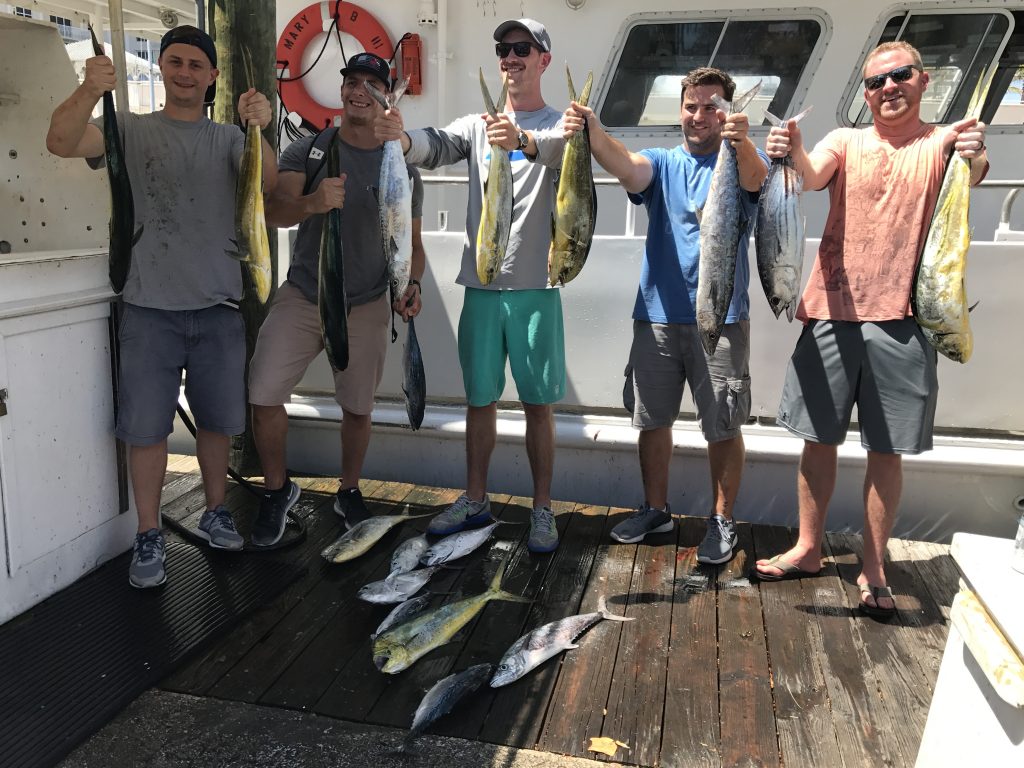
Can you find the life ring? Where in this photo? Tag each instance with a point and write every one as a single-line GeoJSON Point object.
{"type": "Point", "coordinates": [305, 27]}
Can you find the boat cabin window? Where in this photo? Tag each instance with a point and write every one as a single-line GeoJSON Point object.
{"type": "Point", "coordinates": [645, 82]}
{"type": "Point", "coordinates": [956, 49]}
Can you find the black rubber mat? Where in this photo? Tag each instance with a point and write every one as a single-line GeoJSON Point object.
{"type": "Point", "coordinates": [69, 664]}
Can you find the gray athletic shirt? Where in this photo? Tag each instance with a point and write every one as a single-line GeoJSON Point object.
{"type": "Point", "coordinates": [533, 184]}
{"type": "Point", "coordinates": [183, 183]}
{"type": "Point", "coordinates": [366, 269]}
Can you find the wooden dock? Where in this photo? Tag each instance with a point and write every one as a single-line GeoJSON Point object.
{"type": "Point", "coordinates": [714, 671]}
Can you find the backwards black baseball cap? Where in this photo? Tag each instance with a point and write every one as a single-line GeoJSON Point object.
{"type": "Point", "coordinates": [371, 64]}
{"type": "Point", "coordinates": [190, 35]}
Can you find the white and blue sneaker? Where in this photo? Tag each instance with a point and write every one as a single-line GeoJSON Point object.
{"type": "Point", "coordinates": [719, 541]}
{"type": "Point", "coordinates": [147, 568]}
{"type": "Point", "coordinates": [217, 527]}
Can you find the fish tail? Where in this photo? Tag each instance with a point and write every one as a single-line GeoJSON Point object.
{"type": "Point", "coordinates": [602, 608]}
{"type": "Point", "coordinates": [501, 594]}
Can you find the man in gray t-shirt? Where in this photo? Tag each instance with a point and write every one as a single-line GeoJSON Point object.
{"type": "Point", "coordinates": [182, 290]}
{"type": "Point", "coordinates": [516, 317]}
{"type": "Point", "coordinates": [291, 336]}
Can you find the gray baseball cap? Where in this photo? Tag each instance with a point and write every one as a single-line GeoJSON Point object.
{"type": "Point", "coordinates": [533, 28]}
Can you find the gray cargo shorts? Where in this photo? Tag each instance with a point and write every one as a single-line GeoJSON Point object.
{"type": "Point", "coordinates": [886, 368]}
{"type": "Point", "coordinates": [666, 356]}
{"type": "Point", "coordinates": [155, 346]}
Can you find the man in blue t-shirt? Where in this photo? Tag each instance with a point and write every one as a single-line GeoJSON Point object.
{"type": "Point", "coordinates": [667, 352]}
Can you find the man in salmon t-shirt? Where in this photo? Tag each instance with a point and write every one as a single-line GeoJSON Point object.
{"type": "Point", "coordinates": [860, 344]}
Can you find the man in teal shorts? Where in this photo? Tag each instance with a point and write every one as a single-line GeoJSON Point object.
{"type": "Point", "coordinates": [516, 316]}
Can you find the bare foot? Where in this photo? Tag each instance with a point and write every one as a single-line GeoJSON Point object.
{"type": "Point", "coordinates": [875, 596]}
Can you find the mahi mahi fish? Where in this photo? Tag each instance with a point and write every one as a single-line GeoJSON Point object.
{"type": "Point", "coordinates": [444, 695]}
{"type": "Point", "coordinates": [723, 224]}
{"type": "Point", "coordinates": [401, 646]}
{"type": "Point", "coordinates": [496, 213]}
{"type": "Point", "coordinates": [394, 200]}
{"type": "Point", "coordinates": [534, 648]}
{"type": "Point", "coordinates": [331, 298]}
{"type": "Point", "coordinates": [122, 205]}
{"type": "Point", "coordinates": [414, 378]}
{"type": "Point", "coordinates": [779, 232]}
{"type": "Point", "coordinates": [939, 296]}
{"type": "Point", "coordinates": [358, 539]}
{"type": "Point", "coordinates": [572, 225]}
{"type": "Point", "coordinates": [402, 613]}
{"type": "Point", "coordinates": [252, 246]}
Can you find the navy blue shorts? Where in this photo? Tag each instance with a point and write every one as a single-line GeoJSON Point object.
{"type": "Point", "coordinates": [156, 346]}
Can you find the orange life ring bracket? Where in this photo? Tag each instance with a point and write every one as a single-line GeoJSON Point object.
{"type": "Point", "coordinates": [305, 27]}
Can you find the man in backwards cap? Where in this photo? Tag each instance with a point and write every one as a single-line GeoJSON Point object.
{"type": "Point", "coordinates": [516, 316]}
{"type": "Point", "coordinates": [182, 292]}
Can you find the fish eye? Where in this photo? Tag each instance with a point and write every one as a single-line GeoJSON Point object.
{"type": "Point", "coordinates": [503, 667]}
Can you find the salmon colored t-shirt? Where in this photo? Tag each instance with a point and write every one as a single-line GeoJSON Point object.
{"type": "Point", "coordinates": [882, 198]}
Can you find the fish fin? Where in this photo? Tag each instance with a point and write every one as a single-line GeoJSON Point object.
{"type": "Point", "coordinates": [721, 103]}
{"type": "Point", "coordinates": [776, 121]}
{"type": "Point", "coordinates": [500, 574]}
{"type": "Point", "coordinates": [236, 255]}
{"type": "Point", "coordinates": [399, 90]}
{"type": "Point", "coordinates": [584, 96]}
{"type": "Point", "coordinates": [138, 234]}
{"type": "Point", "coordinates": [376, 94]}
{"type": "Point", "coordinates": [488, 103]}
{"type": "Point", "coordinates": [971, 308]}
{"type": "Point", "coordinates": [571, 647]}
{"type": "Point", "coordinates": [572, 88]}
{"type": "Point", "coordinates": [602, 608]}
{"type": "Point", "coordinates": [802, 115]}
{"type": "Point", "coordinates": [509, 597]}
{"type": "Point", "coordinates": [740, 103]}
{"type": "Point", "coordinates": [790, 311]}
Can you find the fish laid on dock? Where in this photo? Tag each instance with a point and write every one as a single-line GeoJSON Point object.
{"type": "Point", "coordinates": [406, 556]}
{"type": "Point", "coordinates": [457, 545]}
{"type": "Point", "coordinates": [396, 587]}
{"type": "Point", "coordinates": [122, 205]}
{"type": "Point", "coordinates": [252, 245]}
{"type": "Point", "coordinates": [445, 694]}
{"type": "Point", "coordinates": [572, 226]}
{"type": "Point", "coordinates": [331, 298]}
{"type": "Point", "coordinates": [360, 537]}
{"type": "Point", "coordinates": [401, 613]}
{"type": "Point", "coordinates": [723, 223]}
{"type": "Point", "coordinates": [401, 646]}
{"type": "Point", "coordinates": [534, 648]}
{"type": "Point", "coordinates": [414, 378]}
{"type": "Point", "coordinates": [496, 215]}
{"type": "Point", "coordinates": [939, 296]}
{"type": "Point", "coordinates": [779, 232]}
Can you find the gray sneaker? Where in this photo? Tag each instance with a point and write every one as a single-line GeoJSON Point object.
{"type": "Point", "coordinates": [147, 568]}
{"type": "Point", "coordinates": [273, 515]}
{"type": "Point", "coordinates": [645, 520]}
{"type": "Point", "coordinates": [217, 527]}
{"type": "Point", "coordinates": [543, 533]}
{"type": "Point", "coordinates": [464, 513]}
{"type": "Point", "coordinates": [719, 541]}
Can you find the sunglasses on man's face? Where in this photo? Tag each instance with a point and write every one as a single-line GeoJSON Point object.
{"type": "Point", "coordinates": [898, 75]}
{"type": "Point", "coordinates": [521, 49]}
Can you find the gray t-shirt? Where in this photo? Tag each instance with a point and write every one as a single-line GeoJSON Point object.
{"type": "Point", "coordinates": [366, 269]}
{"type": "Point", "coordinates": [183, 183]}
{"type": "Point", "coordinates": [533, 184]}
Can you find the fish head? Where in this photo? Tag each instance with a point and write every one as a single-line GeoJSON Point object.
{"type": "Point", "coordinates": [710, 331]}
{"type": "Point", "coordinates": [388, 656]}
{"type": "Point", "coordinates": [508, 670]}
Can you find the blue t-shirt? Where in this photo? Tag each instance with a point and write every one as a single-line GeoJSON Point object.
{"type": "Point", "coordinates": [668, 280]}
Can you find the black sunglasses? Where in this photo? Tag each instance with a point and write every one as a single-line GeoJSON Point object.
{"type": "Point", "coordinates": [522, 49]}
{"type": "Point", "coordinates": [898, 75]}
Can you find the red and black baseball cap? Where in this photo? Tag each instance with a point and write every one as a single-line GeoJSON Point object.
{"type": "Point", "coordinates": [371, 64]}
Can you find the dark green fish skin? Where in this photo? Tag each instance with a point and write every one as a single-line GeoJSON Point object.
{"type": "Point", "coordinates": [414, 381]}
{"type": "Point", "coordinates": [332, 301]}
{"type": "Point", "coordinates": [122, 204]}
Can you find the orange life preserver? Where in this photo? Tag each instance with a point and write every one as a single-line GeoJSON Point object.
{"type": "Point", "coordinates": [304, 27]}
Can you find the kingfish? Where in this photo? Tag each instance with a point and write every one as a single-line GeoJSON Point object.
{"type": "Point", "coordinates": [394, 200]}
{"type": "Point", "coordinates": [331, 298]}
{"type": "Point", "coordinates": [401, 613]}
{"type": "Point", "coordinates": [939, 296]}
{"type": "Point", "coordinates": [396, 587]}
{"type": "Point", "coordinates": [407, 555]}
{"type": "Point", "coordinates": [779, 232]}
{"type": "Point", "coordinates": [457, 545]}
{"type": "Point", "coordinates": [359, 538]}
{"type": "Point", "coordinates": [444, 695]}
{"type": "Point", "coordinates": [122, 205]}
{"type": "Point", "coordinates": [534, 648]}
{"type": "Point", "coordinates": [723, 224]}
{"type": "Point", "coordinates": [252, 246]}
{"type": "Point", "coordinates": [414, 378]}
{"type": "Point", "coordinates": [572, 226]}
{"type": "Point", "coordinates": [496, 214]}
{"type": "Point", "coordinates": [401, 646]}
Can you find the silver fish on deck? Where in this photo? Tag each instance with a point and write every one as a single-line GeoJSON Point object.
{"type": "Point", "coordinates": [360, 537]}
{"type": "Point", "coordinates": [402, 612]}
{"type": "Point", "coordinates": [396, 587]}
{"type": "Point", "coordinates": [722, 224]}
{"type": "Point", "coordinates": [939, 295]}
{"type": "Point", "coordinates": [394, 200]}
{"type": "Point", "coordinates": [496, 215]}
{"type": "Point", "coordinates": [443, 695]}
{"type": "Point", "coordinates": [406, 556]}
{"type": "Point", "coordinates": [534, 648]}
{"type": "Point", "coordinates": [779, 232]}
{"type": "Point", "coordinates": [572, 225]}
{"type": "Point", "coordinates": [457, 545]}
{"type": "Point", "coordinates": [414, 378]}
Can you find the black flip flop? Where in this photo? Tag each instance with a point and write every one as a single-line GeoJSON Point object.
{"type": "Point", "coordinates": [875, 611]}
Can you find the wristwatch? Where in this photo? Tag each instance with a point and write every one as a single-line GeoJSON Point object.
{"type": "Point", "coordinates": [524, 140]}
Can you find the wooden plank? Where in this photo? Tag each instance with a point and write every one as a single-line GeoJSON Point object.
{"type": "Point", "coordinates": [748, 734]}
{"type": "Point", "coordinates": [937, 570]}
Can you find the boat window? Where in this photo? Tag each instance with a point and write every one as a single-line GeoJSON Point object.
{"type": "Point", "coordinates": [956, 49]}
{"type": "Point", "coordinates": [645, 82]}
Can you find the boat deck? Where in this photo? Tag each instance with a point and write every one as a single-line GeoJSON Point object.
{"type": "Point", "coordinates": [714, 671]}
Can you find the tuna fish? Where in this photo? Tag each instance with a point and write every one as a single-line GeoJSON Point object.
{"type": "Point", "coordinates": [939, 296]}
{"type": "Point", "coordinates": [414, 378]}
{"type": "Point", "coordinates": [252, 246]}
{"type": "Point", "coordinates": [779, 232]}
{"type": "Point", "coordinates": [401, 613]}
{"type": "Point", "coordinates": [122, 205]}
{"type": "Point", "coordinates": [457, 545]}
{"type": "Point", "coordinates": [496, 214]}
{"type": "Point", "coordinates": [358, 539]}
{"type": "Point", "coordinates": [722, 225]}
{"type": "Point", "coordinates": [401, 646]}
{"type": "Point", "coordinates": [406, 556]}
{"type": "Point", "coordinates": [572, 226]}
{"type": "Point", "coordinates": [445, 694]}
{"type": "Point", "coordinates": [397, 587]}
{"type": "Point", "coordinates": [331, 297]}
{"type": "Point", "coordinates": [534, 648]}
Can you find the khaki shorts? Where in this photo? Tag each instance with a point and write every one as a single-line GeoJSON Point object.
{"type": "Point", "coordinates": [290, 338]}
{"type": "Point", "coordinates": [664, 357]}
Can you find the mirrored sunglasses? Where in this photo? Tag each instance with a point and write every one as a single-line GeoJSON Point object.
{"type": "Point", "coordinates": [898, 75]}
{"type": "Point", "coordinates": [521, 49]}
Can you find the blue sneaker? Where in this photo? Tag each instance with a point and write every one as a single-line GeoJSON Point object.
{"type": "Point", "coordinates": [147, 568]}
{"type": "Point", "coordinates": [642, 522]}
{"type": "Point", "coordinates": [217, 527]}
{"type": "Point", "coordinates": [719, 541]}
{"type": "Point", "coordinates": [464, 513]}
{"type": "Point", "coordinates": [543, 533]}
